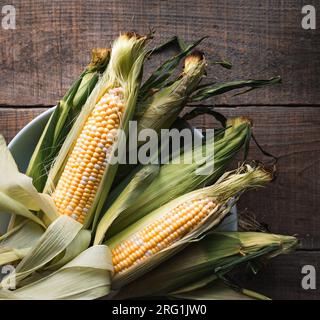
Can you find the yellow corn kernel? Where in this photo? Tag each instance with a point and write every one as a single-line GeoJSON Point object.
{"type": "Point", "coordinates": [84, 169]}
{"type": "Point", "coordinates": [161, 233]}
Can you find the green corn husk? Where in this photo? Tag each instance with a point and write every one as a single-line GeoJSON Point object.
{"type": "Point", "coordinates": [224, 193]}
{"type": "Point", "coordinates": [173, 180]}
{"type": "Point", "coordinates": [124, 70]}
{"type": "Point", "coordinates": [63, 117]}
{"type": "Point", "coordinates": [162, 108]}
{"type": "Point", "coordinates": [204, 261]}
{"type": "Point", "coordinates": [159, 77]}
{"type": "Point", "coordinates": [159, 106]}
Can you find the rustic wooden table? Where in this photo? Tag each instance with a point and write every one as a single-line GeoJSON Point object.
{"type": "Point", "coordinates": [51, 44]}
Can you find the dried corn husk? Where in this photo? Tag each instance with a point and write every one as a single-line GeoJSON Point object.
{"type": "Point", "coordinates": [53, 242]}
{"type": "Point", "coordinates": [124, 70]}
{"type": "Point", "coordinates": [87, 276]}
{"type": "Point", "coordinates": [84, 278]}
{"type": "Point", "coordinates": [63, 117]}
{"type": "Point", "coordinates": [80, 243]}
{"type": "Point", "coordinates": [16, 243]}
{"type": "Point", "coordinates": [173, 180]}
{"type": "Point", "coordinates": [230, 185]}
{"type": "Point", "coordinates": [204, 261]}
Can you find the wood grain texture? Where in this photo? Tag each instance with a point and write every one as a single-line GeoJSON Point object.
{"type": "Point", "coordinates": [291, 203]}
{"type": "Point", "coordinates": [52, 42]}
{"type": "Point", "coordinates": [263, 38]}
{"type": "Point", "coordinates": [281, 278]}
{"type": "Point", "coordinates": [13, 120]}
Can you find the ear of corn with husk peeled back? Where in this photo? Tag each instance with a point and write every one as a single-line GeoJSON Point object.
{"type": "Point", "coordinates": [206, 260]}
{"type": "Point", "coordinates": [166, 230]}
{"type": "Point", "coordinates": [82, 176]}
{"type": "Point", "coordinates": [63, 117]}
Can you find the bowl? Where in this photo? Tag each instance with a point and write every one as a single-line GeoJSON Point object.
{"type": "Point", "coordinates": [24, 143]}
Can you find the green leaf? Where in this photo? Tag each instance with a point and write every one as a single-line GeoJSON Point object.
{"type": "Point", "coordinates": [220, 88]}
{"type": "Point", "coordinates": [224, 63]}
{"type": "Point", "coordinates": [164, 46]}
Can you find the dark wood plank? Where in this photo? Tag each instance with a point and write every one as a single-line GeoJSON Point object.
{"type": "Point", "coordinates": [13, 120]}
{"type": "Point", "coordinates": [51, 44]}
{"type": "Point", "coordinates": [291, 203]}
{"type": "Point", "coordinates": [281, 277]}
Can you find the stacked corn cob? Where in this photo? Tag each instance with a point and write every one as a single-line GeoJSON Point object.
{"type": "Point", "coordinates": [157, 216]}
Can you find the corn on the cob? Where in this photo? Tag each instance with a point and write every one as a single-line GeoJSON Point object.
{"type": "Point", "coordinates": [63, 116]}
{"type": "Point", "coordinates": [184, 218]}
{"type": "Point", "coordinates": [83, 170]}
{"type": "Point", "coordinates": [202, 261]}
{"type": "Point", "coordinates": [79, 182]}
{"type": "Point", "coordinates": [161, 233]}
